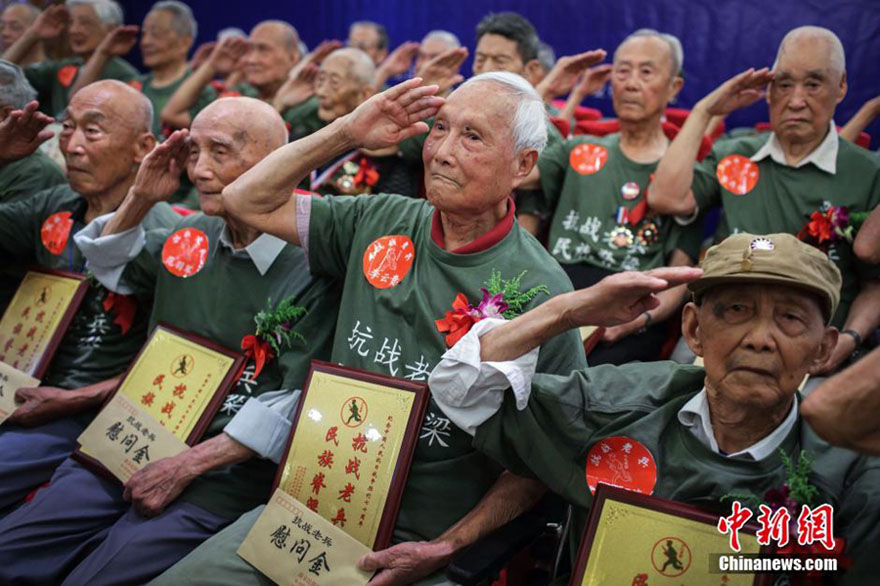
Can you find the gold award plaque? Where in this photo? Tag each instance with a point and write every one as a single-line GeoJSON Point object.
{"type": "Point", "coordinates": [345, 449]}
{"type": "Point", "coordinates": [35, 318]}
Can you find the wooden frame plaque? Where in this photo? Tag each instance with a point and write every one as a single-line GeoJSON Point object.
{"type": "Point", "coordinates": [175, 385]}
{"type": "Point", "coordinates": [37, 318]}
{"type": "Point", "coordinates": [634, 538]}
{"type": "Point", "coordinates": [349, 451]}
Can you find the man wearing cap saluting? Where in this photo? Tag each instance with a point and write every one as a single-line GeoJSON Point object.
{"type": "Point", "coordinates": [759, 319]}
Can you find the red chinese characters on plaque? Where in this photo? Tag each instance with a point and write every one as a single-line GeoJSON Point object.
{"type": "Point", "coordinates": [349, 452]}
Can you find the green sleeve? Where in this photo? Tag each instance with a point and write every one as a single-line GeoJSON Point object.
{"type": "Point", "coordinates": [120, 69]}
{"type": "Point", "coordinates": [858, 511]}
{"type": "Point", "coordinates": [688, 239]}
{"type": "Point", "coordinates": [553, 165]}
{"type": "Point", "coordinates": [207, 95]}
{"type": "Point", "coordinates": [42, 77]}
{"type": "Point", "coordinates": [321, 301]}
{"type": "Point", "coordinates": [142, 272]}
{"type": "Point", "coordinates": [705, 185]}
{"type": "Point", "coordinates": [19, 225]}
{"type": "Point", "coordinates": [28, 176]}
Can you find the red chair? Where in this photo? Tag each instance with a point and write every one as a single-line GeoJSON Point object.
{"type": "Point", "coordinates": [561, 124]}
{"type": "Point", "coordinates": [678, 115]}
{"type": "Point", "coordinates": [581, 112]}
{"type": "Point", "coordinates": [603, 127]}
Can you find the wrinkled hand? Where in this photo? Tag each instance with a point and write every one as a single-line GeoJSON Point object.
{"type": "Point", "coordinates": [320, 52]}
{"type": "Point", "coordinates": [442, 70]}
{"type": "Point", "coordinates": [202, 54]}
{"type": "Point", "coordinates": [846, 345]}
{"type": "Point", "coordinates": [400, 59]}
{"type": "Point", "coordinates": [156, 485]}
{"type": "Point", "coordinates": [621, 298]}
{"type": "Point", "coordinates": [565, 73]}
{"type": "Point", "coordinates": [119, 41]}
{"type": "Point", "coordinates": [298, 88]}
{"type": "Point", "coordinates": [737, 92]}
{"type": "Point", "coordinates": [404, 563]}
{"type": "Point", "coordinates": [51, 22]}
{"type": "Point", "coordinates": [39, 405]}
{"type": "Point", "coordinates": [393, 115]}
{"type": "Point", "coordinates": [593, 80]}
{"type": "Point", "coordinates": [22, 132]}
{"type": "Point", "coordinates": [225, 56]}
{"type": "Point", "coordinates": [159, 174]}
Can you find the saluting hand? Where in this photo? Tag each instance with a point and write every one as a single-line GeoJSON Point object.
{"type": "Point", "coordinates": [737, 92]}
{"type": "Point", "coordinates": [22, 132]}
{"type": "Point", "coordinates": [159, 174]}
{"type": "Point", "coordinates": [392, 116]}
{"type": "Point", "coordinates": [119, 42]}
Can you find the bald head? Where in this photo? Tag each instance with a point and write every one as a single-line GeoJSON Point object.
{"type": "Point", "coordinates": [822, 39]}
{"type": "Point", "coordinates": [121, 101]}
{"type": "Point", "coordinates": [247, 120]}
{"type": "Point", "coordinates": [355, 62]}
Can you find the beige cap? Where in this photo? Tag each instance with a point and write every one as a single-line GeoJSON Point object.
{"type": "Point", "coordinates": [774, 258]}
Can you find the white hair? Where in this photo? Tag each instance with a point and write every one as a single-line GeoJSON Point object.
{"type": "Point", "coordinates": [360, 66]}
{"type": "Point", "coordinates": [676, 53]}
{"type": "Point", "coordinates": [15, 90]}
{"type": "Point", "coordinates": [231, 31]}
{"type": "Point", "coordinates": [837, 54]}
{"type": "Point", "coordinates": [108, 11]}
{"type": "Point", "coordinates": [445, 36]}
{"type": "Point", "coordinates": [529, 118]}
{"type": "Point", "coordinates": [182, 20]}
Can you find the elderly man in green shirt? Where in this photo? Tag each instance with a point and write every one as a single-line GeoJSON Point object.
{"type": "Point", "coordinates": [781, 182]}
{"type": "Point", "coordinates": [760, 320]}
{"type": "Point", "coordinates": [87, 23]}
{"type": "Point", "coordinates": [105, 137]}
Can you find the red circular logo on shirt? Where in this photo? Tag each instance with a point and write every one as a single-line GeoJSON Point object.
{"type": "Point", "coordinates": [185, 252]}
{"type": "Point", "coordinates": [621, 462]}
{"type": "Point", "coordinates": [67, 74]}
{"type": "Point", "coordinates": [588, 158]}
{"type": "Point", "coordinates": [136, 85]}
{"type": "Point", "coordinates": [56, 231]}
{"type": "Point", "coordinates": [737, 174]}
{"type": "Point", "coordinates": [387, 260]}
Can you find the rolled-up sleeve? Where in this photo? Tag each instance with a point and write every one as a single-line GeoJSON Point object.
{"type": "Point", "coordinates": [263, 423]}
{"type": "Point", "coordinates": [108, 255]}
{"type": "Point", "coordinates": [470, 391]}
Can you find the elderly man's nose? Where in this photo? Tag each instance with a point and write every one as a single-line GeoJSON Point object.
{"type": "Point", "coordinates": [760, 336]}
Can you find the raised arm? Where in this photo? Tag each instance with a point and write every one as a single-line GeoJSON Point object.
{"type": "Point", "coordinates": [116, 44]}
{"type": "Point", "coordinates": [300, 84]}
{"type": "Point", "coordinates": [22, 132]}
{"type": "Point", "coordinates": [49, 25]}
{"type": "Point", "coordinates": [866, 114]}
{"type": "Point", "coordinates": [157, 179]}
{"type": "Point", "coordinates": [261, 197]}
{"type": "Point", "coordinates": [867, 244]}
{"type": "Point", "coordinates": [222, 61]}
{"type": "Point", "coordinates": [614, 300]}
{"type": "Point", "coordinates": [670, 191]}
{"type": "Point", "coordinates": [592, 80]}
{"type": "Point", "coordinates": [397, 63]}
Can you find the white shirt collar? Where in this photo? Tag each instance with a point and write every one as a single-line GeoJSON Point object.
{"type": "Point", "coordinates": [695, 416]}
{"type": "Point", "coordinates": [823, 156]}
{"type": "Point", "coordinates": [263, 251]}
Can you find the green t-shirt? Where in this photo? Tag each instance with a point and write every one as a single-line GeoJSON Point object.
{"type": "Point", "coordinates": [219, 302]}
{"type": "Point", "coordinates": [302, 119]}
{"type": "Point", "coordinates": [585, 181]}
{"type": "Point", "coordinates": [18, 180]}
{"type": "Point", "coordinates": [53, 79]}
{"type": "Point", "coordinates": [391, 329]}
{"type": "Point", "coordinates": [209, 93]}
{"type": "Point", "coordinates": [158, 96]}
{"type": "Point", "coordinates": [96, 346]}
{"type": "Point", "coordinates": [566, 416]}
{"type": "Point", "coordinates": [778, 198]}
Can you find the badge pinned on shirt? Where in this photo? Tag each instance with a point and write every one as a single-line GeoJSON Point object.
{"type": "Point", "coordinates": [620, 237]}
{"type": "Point", "coordinates": [387, 260]}
{"type": "Point", "coordinates": [56, 231]}
{"type": "Point", "coordinates": [185, 252]}
{"type": "Point", "coordinates": [648, 233]}
{"type": "Point", "coordinates": [622, 462]}
{"type": "Point", "coordinates": [737, 174]}
{"type": "Point", "coordinates": [630, 190]}
{"type": "Point", "coordinates": [67, 74]}
{"type": "Point", "coordinates": [588, 158]}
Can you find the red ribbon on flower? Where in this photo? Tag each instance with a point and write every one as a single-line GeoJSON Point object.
{"type": "Point", "coordinates": [257, 349]}
{"type": "Point", "coordinates": [366, 174]}
{"type": "Point", "coordinates": [124, 306]}
{"type": "Point", "coordinates": [457, 322]}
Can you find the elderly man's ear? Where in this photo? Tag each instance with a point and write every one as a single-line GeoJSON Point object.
{"type": "Point", "coordinates": [142, 147]}
{"type": "Point", "coordinates": [690, 328]}
{"type": "Point", "coordinates": [525, 162]}
{"type": "Point", "coordinates": [826, 349]}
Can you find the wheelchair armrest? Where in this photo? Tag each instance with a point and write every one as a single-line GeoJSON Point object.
{"type": "Point", "coordinates": [485, 558]}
